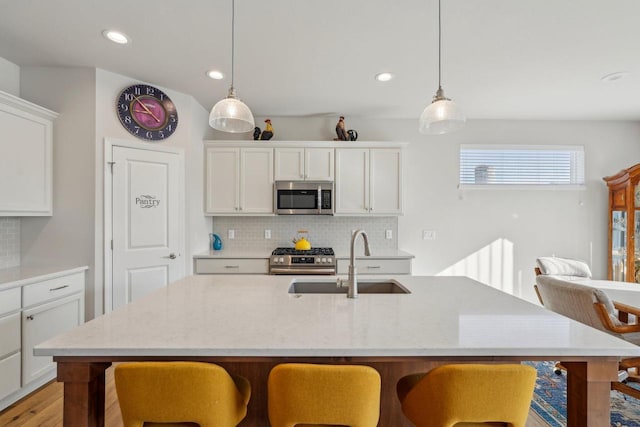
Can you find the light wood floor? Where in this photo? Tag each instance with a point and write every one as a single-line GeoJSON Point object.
{"type": "Point", "coordinates": [43, 408]}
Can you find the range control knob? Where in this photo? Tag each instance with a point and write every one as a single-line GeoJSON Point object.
{"type": "Point", "coordinates": [280, 259]}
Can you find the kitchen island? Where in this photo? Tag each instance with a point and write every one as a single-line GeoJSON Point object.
{"type": "Point", "coordinates": [248, 324]}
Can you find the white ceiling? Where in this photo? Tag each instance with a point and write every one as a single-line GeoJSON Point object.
{"type": "Point", "coordinates": [502, 59]}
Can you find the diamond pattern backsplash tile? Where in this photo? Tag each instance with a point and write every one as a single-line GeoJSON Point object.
{"type": "Point", "coordinates": [323, 231]}
{"type": "Point", "coordinates": [9, 242]}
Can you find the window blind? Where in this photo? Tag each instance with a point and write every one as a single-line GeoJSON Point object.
{"type": "Point", "coordinates": [521, 165]}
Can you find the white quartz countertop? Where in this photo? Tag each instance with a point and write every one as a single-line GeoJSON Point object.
{"type": "Point", "coordinates": [216, 315]}
{"type": "Point", "coordinates": [24, 275]}
{"type": "Point", "coordinates": [264, 254]}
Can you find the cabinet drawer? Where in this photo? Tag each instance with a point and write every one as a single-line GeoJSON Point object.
{"type": "Point", "coordinates": [377, 266]}
{"type": "Point", "coordinates": [232, 266]}
{"type": "Point", "coordinates": [9, 334]}
{"type": "Point", "coordinates": [9, 301]}
{"type": "Point", "coordinates": [52, 289]}
{"type": "Point", "coordinates": [9, 375]}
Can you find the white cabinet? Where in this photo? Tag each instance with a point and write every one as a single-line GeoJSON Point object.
{"type": "Point", "coordinates": [296, 163]}
{"type": "Point", "coordinates": [25, 158]}
{"type": "Point", "coordinates": [239, 181]}
{"type": "Point", "coordinates": [9, 341]}
{"type": "Point", "coordinates": [368, 181]}
{"type": "Point", "coordinates": [231, 266]}
{"type": "Point", "coordinates": [50, 307]}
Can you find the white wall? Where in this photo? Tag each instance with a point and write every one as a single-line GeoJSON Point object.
{"type": "Point", "coordinates": [494, 236]}
{"type": "Point", "coordinates": [66, 238]}
{"type": "Point", "coordinates": [9, 77]}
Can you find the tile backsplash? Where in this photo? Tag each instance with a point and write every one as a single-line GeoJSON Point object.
{"type": "Point", "coordinates": [9, 242]}
{"type": "Point", "coordinates": [323, 231]}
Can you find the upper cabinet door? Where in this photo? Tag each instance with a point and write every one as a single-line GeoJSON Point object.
{"type": "Point", "coordinates": [222, 180]}
{"type": "Point", "coordinates": [386, 181]}
{"type": "Point", "coordinates": [319, 164]}
{"type": "Point", "coordinates": [25, 158]}
{"type": "Point", "coordinates": [289, 164]}
{"type": "Point", "coordinates": [256, 180]}
{"type": "Point", "coordinates": [352, 181]}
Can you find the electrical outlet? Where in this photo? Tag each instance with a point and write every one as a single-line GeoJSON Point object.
{"type": "Point", "coordinates": [428, 235]}
{"type": "Point", "coordinates": [388, 234]}
{"type": "Point", "coordinates": [267, 234]}
{"type": "Point", "coordinates": [231, 234]}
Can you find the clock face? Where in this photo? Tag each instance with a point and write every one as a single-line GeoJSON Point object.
{"type": "Point", "coordinates": [147, 112]}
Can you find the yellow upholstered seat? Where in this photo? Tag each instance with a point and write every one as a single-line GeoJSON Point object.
{"type": "Point", "coordinates": [180, 392]}
{"type": "Point", "coordinates": [466, 395]}
{"type": "Point", "coordinates": [346, 395]}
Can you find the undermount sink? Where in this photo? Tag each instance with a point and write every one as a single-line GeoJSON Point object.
{"type": "Point", "coordinates": [330, 287]}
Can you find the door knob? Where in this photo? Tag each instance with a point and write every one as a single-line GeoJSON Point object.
{"type": "Point", "coordinates": [172, 255]}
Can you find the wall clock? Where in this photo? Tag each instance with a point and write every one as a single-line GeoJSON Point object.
{"type": "Point", "coordinates": [147, 112]}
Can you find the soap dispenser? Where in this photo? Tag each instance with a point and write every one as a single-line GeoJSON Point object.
{"type": "Point", "coordinates": [216, 242]}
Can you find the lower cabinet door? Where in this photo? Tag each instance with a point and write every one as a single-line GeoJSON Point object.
{"type": "Point", "coordinates": [9, 375]}
{"type": "Point", "coordinates": [43, 322]}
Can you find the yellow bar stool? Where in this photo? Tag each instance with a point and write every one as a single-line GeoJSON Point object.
{"type": "Point", "coordinates": [472, 395]}
{"type": "Point", "coordinates": [346, 395]}
{"type": "Point", "coordinates": [180, 392]}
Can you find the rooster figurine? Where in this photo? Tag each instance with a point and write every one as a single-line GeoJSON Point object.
{"type": "Point", "coordinates": [267, 133]}
{"type": "Point", "coordinates": [340, 130]}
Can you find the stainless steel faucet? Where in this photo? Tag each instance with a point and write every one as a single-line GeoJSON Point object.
{"type": "Point", "coordinates": [353, 273]}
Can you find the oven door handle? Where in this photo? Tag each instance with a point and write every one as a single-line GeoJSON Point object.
{"type": "Point", "coordinates": [319, 199]}
{"type": "Point", "coordinates": [279, 270]}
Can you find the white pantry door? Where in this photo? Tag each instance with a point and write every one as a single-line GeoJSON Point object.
{"type": "Point", "coordinates": [147, 236]}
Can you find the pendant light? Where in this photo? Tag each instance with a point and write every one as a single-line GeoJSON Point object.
{"type": "Point", "coordinates": [230, 114]}
{"type": "Point", "coordinates": [442, 115]}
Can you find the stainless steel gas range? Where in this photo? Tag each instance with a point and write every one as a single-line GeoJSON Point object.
{"type": "Point", "coordinates": [292, 261]}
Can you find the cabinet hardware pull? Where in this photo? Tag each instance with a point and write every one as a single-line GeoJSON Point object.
{"type": "Point", "coordinates": [373, 266]}
{"type": "Point", "coordinates": [58, 288]}
{"type": "Point", "coordinates": [231, 266]}
{"type": "Point", "coordinates": [30, 317]}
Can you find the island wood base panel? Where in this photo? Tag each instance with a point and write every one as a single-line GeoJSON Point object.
{"type": "Point", "coordinates": [588, 385]}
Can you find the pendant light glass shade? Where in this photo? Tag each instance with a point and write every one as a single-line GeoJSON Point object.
{"type": "Point", "coordinates": [230, 114]}
{"type": "Point", "coordinates": [442, 115]}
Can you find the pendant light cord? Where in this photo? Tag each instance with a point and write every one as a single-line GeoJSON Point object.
{"type": "Point", "coordinates": [233, 37]}
{"type": "Point", "coordinates": [439, 44]}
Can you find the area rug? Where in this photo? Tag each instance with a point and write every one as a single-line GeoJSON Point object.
{"type": "Point", "coordinates": [550, 400]}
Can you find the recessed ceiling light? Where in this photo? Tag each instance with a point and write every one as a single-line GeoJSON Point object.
{"type": "Point", "coordinates": [215, 74]}
{"type": "Point", "coordinates": [384, 77]}
{"type": "Point", "coordinates": [614, 76]}
{"type": "Point", "coordinates": [116, 36]}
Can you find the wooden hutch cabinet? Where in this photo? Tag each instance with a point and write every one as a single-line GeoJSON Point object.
{"type": "Point", "coordinates": [624, 225]}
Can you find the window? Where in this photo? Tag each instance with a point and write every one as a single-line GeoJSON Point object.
{"type": "Point", "coordinates": [530, 166]}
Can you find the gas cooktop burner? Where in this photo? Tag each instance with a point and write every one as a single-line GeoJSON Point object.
{"type": "Point", "coordinates": [310, 252]}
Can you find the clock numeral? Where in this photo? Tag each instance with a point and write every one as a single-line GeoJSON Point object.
{"type": "Point", "coordinates": [127, 119]}
{"type": "Point", "coordinates": [124, 107]}
{"type": "Point", "coordinates": [173, 118]}
{"type": "Point", "coordinates": [161, 134]}
{"type": "Point", "coordinates": [150, 91]}
{"type": "Point", "coordinates": [128, 97]}
{"type": "Point", "coordinates": [137, 129]}
{"type": "Point", "coordinates": [162, 97]}
{"type": "Point", "coordinates": [149, 134]}
{"type": "Point", "coordinates": [136, 90]}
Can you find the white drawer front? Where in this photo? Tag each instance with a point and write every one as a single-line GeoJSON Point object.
{"type": "Point", "coordinates": [377, 266]}
{"type": "Point", "coordinates": [9, 375]}
{"type": "Point", "coordinates": [9, 301]}
{"type": "Point", "coordinates": [9, 334]}
{"type": "Point", "coordinates": [52, 289]}
{"type": "Point", "coordinates": [232, 266]}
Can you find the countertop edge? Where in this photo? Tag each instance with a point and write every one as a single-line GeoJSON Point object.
{"type": "Point", "coordinates": [28, 275]}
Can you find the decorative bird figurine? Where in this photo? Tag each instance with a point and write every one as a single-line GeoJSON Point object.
{"type": "Point", "coordinates": [267, 133]}
{"type": "Point", "coordinates": [340, 130]}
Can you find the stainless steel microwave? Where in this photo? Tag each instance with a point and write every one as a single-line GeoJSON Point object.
{"type": "Point", "coordinates": [303, 197]}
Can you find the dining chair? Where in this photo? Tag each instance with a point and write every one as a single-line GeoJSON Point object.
{"type": "Point", "coordinates": [471, 394]}
{"type": "Point", "coordinates": [180, 392]}
{"type": "Point", "coordinates": [345, 395]}
{"type": "Point", "coordinates": [594, 308]}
